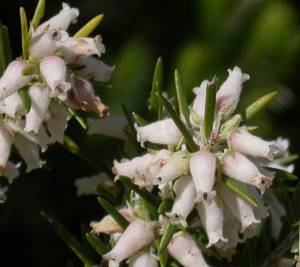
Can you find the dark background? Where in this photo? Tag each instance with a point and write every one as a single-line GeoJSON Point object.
{"type": "Point", "coordinates": [200, 38]}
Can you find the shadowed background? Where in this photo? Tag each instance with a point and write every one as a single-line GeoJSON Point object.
{"type": "Point", "coordinates": [200, 38]}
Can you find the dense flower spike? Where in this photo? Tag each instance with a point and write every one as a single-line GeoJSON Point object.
{"type": "Point", "coordinates": [39, 91]}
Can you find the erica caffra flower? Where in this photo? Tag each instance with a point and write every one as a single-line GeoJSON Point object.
{"type": "Point", "coordinates": [216, 185]}
{"type": "Point", "coordinates": [40, 90]}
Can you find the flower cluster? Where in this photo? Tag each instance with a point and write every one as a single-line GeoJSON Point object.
{"type": "Point", "coordinates": [222, 187]}
{"type": "Point", "coordinates": [55, 79]}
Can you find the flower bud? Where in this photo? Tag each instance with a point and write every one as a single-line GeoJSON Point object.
{"type": "Point", "coordinates": [83, 97]}
{"type": "Point", "coordinates": [93, 68]}
{"type": "Point", "coordinates": [203, 168]}
{"type": "Point", "coordinates": [46, 44]}
{"type": "Point", "coordinates": [229, 93]}
{"type": "Point", "coordinates": [212, 218]}
{"type": "Point", "coordinates": [53, 70]}
{"type": "Point", "coordinates": [164, 132]}
{"type": "Point", "coordinates": [6, 140]}
{"type": "Point", "coordinates": [61, 21]}
{"type": "Point", "coordinates": [239, 167]}
{"type": "Point", "coordinates": [184, 249]}
{"type": "Point", "coordinates": [29, 152]}
{"type": "Point", "coordinates": [199, 102]}
{"type": "Point", "coordinates": [57, 122]}
{"type": "Point", "coordinates": [143, 259]}
{"type": "Point", "coordinates": [39, 107]}
{"type": "Point", "coordinates": [239, 208]}
{"type": "Point", "coordinates": [77, 48]}
{"type": "Point", "coordinates": [108, 225]}
{"type": "Point", "coordinates": [12, 106]}
{"type": "Point", "coordinates": [13, 79]}
{"type": "Point", "coordinates": [172, 168]}
{"type": "Point", "coordinates": [136, 236]}
{"type": "Point", "coordinates": [242, 141]}
{"type": "Point", "coordinates": [184, 202]}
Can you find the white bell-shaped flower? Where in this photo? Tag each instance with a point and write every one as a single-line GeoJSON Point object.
{"type": "Point", "coordinates": [242, 141]}
{"type": "Point", "coordinates": [203, 168]}
{"type": "Point", "coordinates": [175, 166]}
{"type": "Point", "coordinates": [77, 48]}
{"type": "Point", "coordinates": [184, 249]}
{"type": "Point", "coordinates": [40, 101]}
{"type": "Point", "coordinates": [57, 122]}
{"type": "Point", "coordinates": [29, 152]}
{"type": "Point", "coordinates": [53, 70]}
{"type": "Point", "coordinates": [46, 44]}
{"type": "Point", "coordinates": [239, 207]}
{"type": "Point", "coordinates": [61, 21]}
{"type": "Point", "coordinates": [6, 140]}
{"type": "Point", "coordinates": [13, 79]}
{"type": "Point", "coordinates": [239, 167]}
{"type": "Point", "coordinates": [212, 219]}
{"type": "Point", "coordinates": [184, 202]}
{"type": "Point", "coordinates": [108, 225]}
{"type": "Point", "coordinates": [12, 106]}
{"type": "Point", "coordinates": [143, 259]}
{"type": "Point", "coordinates": [93, 68]}
{"type": "Point", "coordinates": [164, 132]}
{"type": "Point", "coordinates": [136, 236]}
{"type": "Point", "coordinates": [228, 95]}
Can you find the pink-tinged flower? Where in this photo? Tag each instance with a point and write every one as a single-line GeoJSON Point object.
{"type": "Point", "coordinates": [203, 168]}
{"type": "Point", "coordinates": [199, 101]}
{"type": "Point", "coordinates": [12, 106]}
{"type": "Point", "coordinates": [13, 79]}
{"type": "Point", "coordinates": [6, 140]}
{"type": "Point", "coordinates": [229, 93]}
{"type": "Point", "coordinates": [277, 212]}
{"type": "Point", "coordinates": [242, 141]}
{"type": "Point", "coordinates": [93, 68]}
{"type": "Point", "coordinates": [77, 48]}
{"type": "Point", "coordinates": [173, 167]}
{"type": "Point", "coordinates": [53, 70]}
{"type": "Point", "coordinates": [136, 236]}
{"type": "Point", "coordinates": [185, 250]}
{"type": "Point", "coordinates": [184, 202]}
{"type": "Point", "coordinates": [108, 225]}
{"type": "Point", "coordinates": [11, 171]}
{"type": "Point", "coordinates": [212, 218]}
{"type": "Point", "coordinates": [61, 21]}
{"type": "Point", "coordinates": [82, 96]}
{"type": "Point", "coordinates": [164, 132]}
{"type": "Point", "coordinates": [29, 152]}
{"type": "Point", "coordinates": [46, 44]}
{"type": "Point", "coordinates": [143, 259]}
{"type": "Point", "coordinates": [40, 101]}
{"type": "Point", "coordinates": [239, 167]}
{"type": "Point", "coordinates": [57, 122]}
{"type": "Point", "coordinates": [239, 208]}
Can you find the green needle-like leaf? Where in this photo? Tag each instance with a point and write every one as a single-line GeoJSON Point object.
{"type": "Point", "coordinates": [170, 230]}
{"type": "Point", "coordinates": [234, 186]}
{"type": "Point", "coordinates": [157, 84]}
{"type": "Point", "coordinates": [186, 134]}
{"type": "Point", "coordinates": [259, 104]}
{"type": "Point", "coordinates": [209, 113]}
{"type": "Point", "coordinates": [182, 102]}
{"type": "Point", "coordinates": [25, 36]}
{"type": "Point", "coordinates": [109, 208]}
{"type": "Point", "coordinates": [283, 175]}
{"type": "Point", "coordinates": [26, 100]}
{"type": "Point", "coordinates": [150, 198]}
{"type": "Point", "coordinates": [79, 119]}
{"type": "Point", "coordinates": [165, 206]}
{"type": "Point", "coordinates": [70, 240]}
{"type": "Point", "coordinates": [139, 120]}
{"type": "Point", "coordinates": [88, 28]}
{"type": "Point", "coordinates": [5, 49]}
{"type": "Point", "coordinates": [97, 244]}
{"type": "Point", "coordinates": [287, 160]}
{"type": "Point", "coordinates": [38, 13]}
